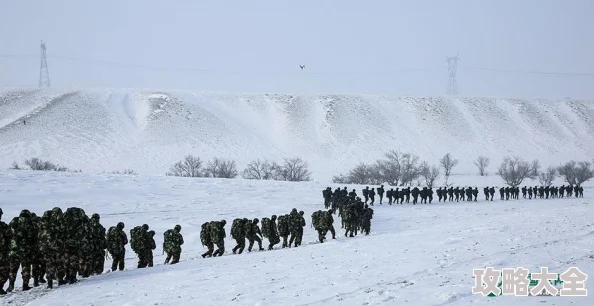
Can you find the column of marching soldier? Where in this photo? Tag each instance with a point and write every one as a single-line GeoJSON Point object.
{"type": "Point", "coordinates": [340, 197]}
{"type": "Point", "coordinates": [59, 246]}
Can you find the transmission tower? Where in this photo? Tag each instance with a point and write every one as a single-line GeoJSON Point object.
{"type": "Point", "coordinates": [452, 67]}
{"type": "Point", "coordinates": [44, 80]}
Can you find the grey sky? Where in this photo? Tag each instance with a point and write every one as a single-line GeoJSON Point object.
{"type": "Point", "coordinates": [347, 46]}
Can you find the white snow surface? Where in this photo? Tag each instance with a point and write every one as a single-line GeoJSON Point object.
{"type": "Point", "coordinates": [98, 130]}
{"type": "Point", "coordinates": [415, 255]}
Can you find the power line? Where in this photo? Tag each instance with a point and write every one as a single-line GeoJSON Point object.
{"type": "Point", "coordinates": [528, 71]}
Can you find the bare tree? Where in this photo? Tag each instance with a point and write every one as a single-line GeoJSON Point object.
{"type": "Point", "coordinates": [260, 170]}
{"type": "Point", "coordinates": [389, 169]}
{"type": "Point", "coordinates": [546, 178]}
{"type": "Point", "coordinates": [576, 173]}
{"type": "Point", "coordinates": [448, 163]}
{"type": "Point", "coordinates": [410, 169]}
{"type": "Point", "coordinates": [294, 170]}
{"type": "Point", "coordinates": [361, 174]}
{"type": "Point", "coordinates": [514, 170]}
{"type": "Point", "coordinates": [482, 162]}
{"type": "Point", "coordinates": [535, 167]}
{"type": "Point", "coordinates": [429, 174]}
{"type": "Point", "coordinates": [190, 166]}
{"type": "Point", "coordinates": [221, 168]}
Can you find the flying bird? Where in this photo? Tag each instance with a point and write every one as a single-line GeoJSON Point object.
{"type": "Point", "coordinates": [301, 66]}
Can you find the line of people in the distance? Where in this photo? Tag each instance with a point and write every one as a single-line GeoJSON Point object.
{"type": "Point", "coordinates": [404, 195]}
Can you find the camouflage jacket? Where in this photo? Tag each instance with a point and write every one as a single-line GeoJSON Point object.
{"type": "Point", "coordinates": [23, 240]}
{"type": "Point", "coordinates": [5, 239]}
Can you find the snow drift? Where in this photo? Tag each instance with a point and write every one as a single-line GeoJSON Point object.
{"type": "Point", "coordinates": [108, 130]}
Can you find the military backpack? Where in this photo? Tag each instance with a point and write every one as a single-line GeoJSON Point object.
{"type": "Point", "coordinates": [237, 229]}
{"type": "Point", "coordinates": [205, 234]}
{"type": "Point", "coordinates": [283, 226]}
{"type": "Point", "coordinates": [114, 240]}
{"type": "Point", "coordinates": [136, 238]}
{"type": "Point", "coordinates": [266, 227]}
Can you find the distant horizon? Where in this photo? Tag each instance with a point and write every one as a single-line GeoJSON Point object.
{"type": "Point", "coordinates": [156, 89]}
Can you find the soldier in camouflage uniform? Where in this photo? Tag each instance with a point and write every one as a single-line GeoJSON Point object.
{"type": "Point", "coordinates": [319, 222]}
{"type": "Point", "coordinates": [138, 242]}
{"type": "Point", "coordinates": [238, 232]}
{"type": "Point", "coordinates": [367, 216]}
{"type": "Point", "coordinates": [297, 224]}
{"type": "Point", "coordinates": [49, 242]}
{"type": "Point", "coordinates": [217, 230]}
{"type": "Point", "coordinates": [116, 245]}
{"type": "Point", "coordinates": [37, 262]}
{"type": "Point", "coordinates": [206, 240]}
{"type": "Point", "coordinates": [251, 233]}
{"type": "Point", "coordinates": [273, 236]}
{"type": "Point", "coordinates": [100, 244]}
{"type": "Point", "coordinates": [21, 249]}
{"type": "Point", "coordinates": [172, 244]}
{"type": "Point", "coordinates": [76, 241]}
{"type": "Point", "coordinates": [5, 239]}
{"type": "Point", "coordinates": [284, 229]}
{"type": "Point", "coordinates": [350, 220]}
{"type": "Point", "coordinates": [87, 247]}
{"type": "Point", "coordinates": [148, 252]}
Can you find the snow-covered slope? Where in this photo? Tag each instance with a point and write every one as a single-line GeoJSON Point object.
{"type": "Point", "coordinates": [415, 255]}
{"type": "Point", "coordinates": [107, 130]}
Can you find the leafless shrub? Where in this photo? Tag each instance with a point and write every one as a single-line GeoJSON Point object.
{"type": "Point", "coordinates": [125, 171]}
{"type": "Point", "coordinates": [514, 170]}
{"type": "Point", "coordinates": [43, 165]}
{"type": "Point", "coordinates": [482, 162]}
{"type": "Point", "coordinates": [221, 168]}
{"type": "Point", "coordinates": [14, 166]}
{"type": "Point", "coordinates": [191, 166]}
{"type": "Point", "coordinates": [448, 163]}
{"type": "Point", "coordinates": [260, 170]}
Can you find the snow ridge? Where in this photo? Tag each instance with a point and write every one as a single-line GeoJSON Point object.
{"type": "Point", "coordinates": [148, 130]}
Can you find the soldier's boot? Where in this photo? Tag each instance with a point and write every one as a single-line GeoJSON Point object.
{"type": "Point", "coordinates": [10, 286]}
{"type": "Point", "coordinates": [269, 247]}
{"type": "Point", "coordinates": [72, 279]}
{"type": "Point", "coordinates": [42, 280]}
{"type": "Point", "coordinates": [50, 283]}
{"type": "Point", "coordinates": [35, 281]}
{"type": "Point", "coordinates": [26, 285]}
{"type": "Point", "coordinates": [2, 292]}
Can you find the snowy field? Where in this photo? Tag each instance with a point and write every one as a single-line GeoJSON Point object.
{"type": "Point", "coordinates": [416, 255]}
{"type": "Point", "coordinates": [98, 130]}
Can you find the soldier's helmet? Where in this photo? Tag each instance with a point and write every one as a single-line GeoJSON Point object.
{"type": "Point", "coordinates": [294, 210]}
{"type": "Point", "coordinates": [367, 187]}
{"type": "Point", "coordinates": [57, 210]}
{"type": "Point", "coordinates": [301, 212]}
{"type": "Point", "coordinates": [152, 233]}
{"type": "Point", "coordinates": [145, 227]}
{"type": "Point", "coordinates": [25, 213]}
{"type": "Point", "coordinates": [204, 225]}
{"type": "Point", "coordinates": [177, 228]}
{"type": "Point", "coordinates": [366, 206]}
{"type": "Point", "coordinates": [120, 225]}
{"type": "Point", "coordinates": [382, 185]}
{"type": "Point", "coordinates": [256, 220]}
{"type": "Point", "coordinates": [330, 211]}
{"type": "Point", "coordinates": [273, 217]}
{"type": "Point", "coordinates": [223, 222]}
{"type": "Point", "coordinates": [95, 216]}
{"type": "Point", "coordinates": [245, 220]}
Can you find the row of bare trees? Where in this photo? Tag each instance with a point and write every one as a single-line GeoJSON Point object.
{"type": "Point", "coordinates": [514, 171]}
{"type": "Point", "coordinates": [291, 169]}
{"type": "Point", "coordinates": [406, 169]}
{"type": "Point", "coordinates": [398, 169]}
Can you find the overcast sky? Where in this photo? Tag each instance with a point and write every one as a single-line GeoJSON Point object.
{"type": "Point", "coordinates": [348, 46]}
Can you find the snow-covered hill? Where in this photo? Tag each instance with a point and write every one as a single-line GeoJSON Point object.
{"type": "Point", "coordinates": [108, 130]}
{"type": "Point", "coordinates": [415, 255]}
